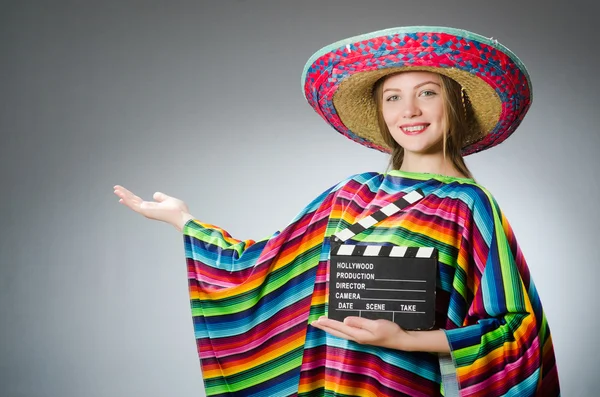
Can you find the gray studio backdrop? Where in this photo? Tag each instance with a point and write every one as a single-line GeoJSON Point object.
{"type": "Point", "coordinates": [202, 100]}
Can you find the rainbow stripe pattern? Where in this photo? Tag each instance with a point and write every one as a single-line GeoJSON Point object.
{"type": "Point", "coordinates": [252, 301]}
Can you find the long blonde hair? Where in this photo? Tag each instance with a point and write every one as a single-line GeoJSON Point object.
{"type": "Point", "coordinates": [455, 123]}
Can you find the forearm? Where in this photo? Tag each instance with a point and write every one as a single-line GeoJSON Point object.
{"type": "Point", "coordinates": [434, 341]}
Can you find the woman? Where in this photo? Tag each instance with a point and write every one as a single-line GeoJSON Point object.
{"type": "Point", "coordinates": [428, 96]}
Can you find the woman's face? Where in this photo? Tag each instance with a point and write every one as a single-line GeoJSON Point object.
{"type": "Point", "coordinates": [413, 110]}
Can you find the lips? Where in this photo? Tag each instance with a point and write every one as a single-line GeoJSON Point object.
{"type": "Point", "coordinates": [414, 129]}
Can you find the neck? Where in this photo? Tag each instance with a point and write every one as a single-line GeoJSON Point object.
{"type": "Point", "coordinates": [434, 163]}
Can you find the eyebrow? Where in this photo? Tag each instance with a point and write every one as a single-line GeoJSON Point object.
{"type": "Point", "coordinates": [417, 86]}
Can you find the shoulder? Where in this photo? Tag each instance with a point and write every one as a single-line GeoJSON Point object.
{"type": "Point", "coordinates": [356, 181]}
{"type": "Point", "coordinates": [475, 196]}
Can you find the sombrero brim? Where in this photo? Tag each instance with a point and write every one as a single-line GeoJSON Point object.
{"type": "Point", "coordinates": [338, 80]}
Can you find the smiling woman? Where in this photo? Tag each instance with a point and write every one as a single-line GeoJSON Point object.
{"type": "Point", "coordinates": [431, 102]}
{"type": "Point", "coordinates": [428, 96]}
{"type": "Point", "coordinates": [413, 107]}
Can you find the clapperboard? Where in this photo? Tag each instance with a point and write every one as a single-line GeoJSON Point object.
{"type": "Point", "coordinates": [383, 281]}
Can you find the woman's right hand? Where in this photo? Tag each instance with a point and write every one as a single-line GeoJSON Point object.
{"type": "Point", "coordinates": [165, 208]}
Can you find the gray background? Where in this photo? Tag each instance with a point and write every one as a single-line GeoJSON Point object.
{"type": "Point", "coordinates": [202, 100]}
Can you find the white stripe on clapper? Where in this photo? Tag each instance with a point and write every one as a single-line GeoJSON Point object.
{"type": "Point", "coordinates": [398, 251]}
{"type": "Point", "coordinates": [372, 250]}
{"type": "Point", "coordinates": [345, 249]}
{"type": "Point", "coordinates": [424, 252]}
{"type": "Point", "coordinates": [345, 234]}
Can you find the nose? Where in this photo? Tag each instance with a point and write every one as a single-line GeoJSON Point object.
{"type": "Point", "coordinates": [410, 109]}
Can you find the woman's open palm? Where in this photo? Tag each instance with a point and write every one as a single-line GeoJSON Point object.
{"type": "Point", "coordinates": [165, 208]}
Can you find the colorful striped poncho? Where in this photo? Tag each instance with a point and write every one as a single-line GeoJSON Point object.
{"type": "Point", "coordinates": [252, 301]}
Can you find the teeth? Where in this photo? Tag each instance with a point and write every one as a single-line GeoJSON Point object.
{"type": "Point", "coordinates": [414, 128]}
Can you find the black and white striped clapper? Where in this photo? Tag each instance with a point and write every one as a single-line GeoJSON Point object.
{"type": "Point", "coordinates": [383, 281]}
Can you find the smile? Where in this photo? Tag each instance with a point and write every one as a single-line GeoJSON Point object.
{"type": "Point", "coordinates": [414, 129]}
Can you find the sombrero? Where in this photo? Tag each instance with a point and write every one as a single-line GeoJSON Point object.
{"type": "Point", "coordinates": [338, 80]}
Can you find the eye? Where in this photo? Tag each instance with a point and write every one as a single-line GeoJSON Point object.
{"type": "Point", "coordinates": [428, 93]}
{"type": "Point", "coordinates": [392, 98]}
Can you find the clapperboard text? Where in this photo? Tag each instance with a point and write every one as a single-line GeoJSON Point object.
{"type": "Point", "coordinates": [393, 283]}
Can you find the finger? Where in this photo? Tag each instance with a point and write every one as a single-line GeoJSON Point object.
{"type": "Point", "coordinates": [129, 199]}
{"type": "Point", "coordinates": [332, 331]}
{"type": "Point", "coordinates": [120, 189]}
{"type": "Point", "coordinates": [149, 209]}
{"type": "Point", "coordinates": [122, 192]}
{"type": "Point", "coordinates": [358, 322]}
{"type": "Point", "coordinates": [326, 321]}
{"type": "Point", "coordinates": [352, 332]}
{"type": "Point", "coordinates": [160, 197]}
